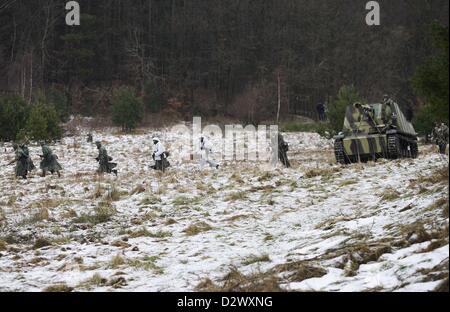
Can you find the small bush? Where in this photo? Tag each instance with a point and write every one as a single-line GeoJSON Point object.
{"type": "Point", "coordinates": [127, 109]}
{"type": "Point", "coordinates": [347, 95]}
{"type": "Point", "coordinates": [13, 115]}
{"type": "Point", "coordinates": [42, 123]}
{"type": "Point", "coordinates": [59, 101]}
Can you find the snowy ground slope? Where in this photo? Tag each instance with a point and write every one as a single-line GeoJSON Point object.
{"type": "Point", "coordinates": [379, 226]}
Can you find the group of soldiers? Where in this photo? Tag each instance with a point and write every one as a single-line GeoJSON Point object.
{"type": "Point", "coordinates": [49, 161]}
{"type": "Point", "coordinates": [24, 163]}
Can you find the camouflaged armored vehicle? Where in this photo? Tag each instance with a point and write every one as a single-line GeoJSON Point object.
{"type": "Point", "coordinates": [375, 131]}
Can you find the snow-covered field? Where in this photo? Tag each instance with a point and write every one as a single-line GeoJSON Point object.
{"type": "Point", "coordinates": [317, 226]}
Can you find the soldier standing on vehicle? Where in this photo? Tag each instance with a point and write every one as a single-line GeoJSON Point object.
{"type": "Point", "coordinates": [105, 164]}
{"type": "Point", "coordinates": [283, 148]}
{"type": "Point", "coordinates": [49, 161]}
{"type": "Point", "coordinates": [440, 136]}
{"type": "Point", "coordinates": [159, 155]}
{"type": "Point", "coordinates": [387, 99]}
{"type": "Point", "coordinates": [206, 151]}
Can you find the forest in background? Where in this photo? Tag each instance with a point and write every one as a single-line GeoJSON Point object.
{"type": "Point", "coordinates": [223, 57]}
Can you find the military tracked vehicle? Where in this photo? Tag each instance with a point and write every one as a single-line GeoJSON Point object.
{"type": "Point", "coordinates": [375, 131]}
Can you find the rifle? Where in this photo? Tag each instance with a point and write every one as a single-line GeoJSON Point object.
{"type": "Point", "coordinates": [10, 163]}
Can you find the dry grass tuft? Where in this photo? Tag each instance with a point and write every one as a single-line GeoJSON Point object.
{"type": "Point", "coordinates": [102, 213]}
{"type": "Point", "coordinates": [298, 271]}
{"type": "Point", "coordinates": [95, 281]}
{"type": "Point", "coordinates": [116, 261]}
{"type": "Point", "coordinates": [41, 242]}
{"type": "Point", "coordinates": [197, 228]}
{"type": "Point", "coordinates": [146, 263]}
{"type": "Point", "coordinates": [325, 173]}
{"type": "Point", "coordinates": [143, 232]}
{"type": "Point", "coordinates": [438, 176]}
{"type": "Point", "coordinates": [138, 189]}
{"type": "Point", "coordinates": [256, 259]}
{"type": "Point", "coordinates": [58, 288]}
{"type": "Point", "coordinates": [150, 200]}
{"type": "Point", "coordinates": [3, 245]}
{"type": "Point", "coordinates": [236, 196]}
{"type": "Point", "coordinates": [390, 195]}
{"type": "Point", "coordinates": [235, 281]}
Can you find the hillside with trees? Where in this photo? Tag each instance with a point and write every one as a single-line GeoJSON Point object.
{"type": "Point", "coordinates": [224, 58]}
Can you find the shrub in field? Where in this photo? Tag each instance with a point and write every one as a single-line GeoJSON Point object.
{"type": "Point", "coordinates": [347, 95]}
{"type": "Point", "coordinates": [42, 123]}
{"type": "Point", "coordinates": [127, 109]}
{"type": "Point", "coordinates": [13, 115]}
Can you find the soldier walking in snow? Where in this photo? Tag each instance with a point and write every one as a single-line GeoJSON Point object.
{"type": "Point", "coordinates": [30, 165]}
{"type": "Point", "coordinates": [440, 136]}
{"type": "Point", "coordinates": [205, 152]}
{"type": "Point", "coordinates": [105, 164]}
{"type": "Point", "coordinates": [21, 160]}
{"type": "Point", "coordinates": [159, 155]}
{"type": "Point", "coordinates": [49, 161]}
{"type": "Point", "coordinates": [283, 148]}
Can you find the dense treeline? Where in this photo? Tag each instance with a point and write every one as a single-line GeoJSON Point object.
{"type": "Point", "coordinates": [216, 57]}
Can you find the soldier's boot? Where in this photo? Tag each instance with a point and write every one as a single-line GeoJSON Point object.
{"type": "Point", "coordinates": [114, 171]}
{"type": "Point", "coordinates": [59, 174]}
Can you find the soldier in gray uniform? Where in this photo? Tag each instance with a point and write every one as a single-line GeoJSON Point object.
{"type": "Point", "coordinates": [21, 160]}
{"type": "Point", "coordinates": [283, 148]}
{"type": "Point", "coordinates": [49, 161]}
{"type": "Point", "coordinates": [440, 136]}
{"type": "Point", "coordinates": [105, 164]}
{"type": "Point", "coordinates": [26, 151]}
